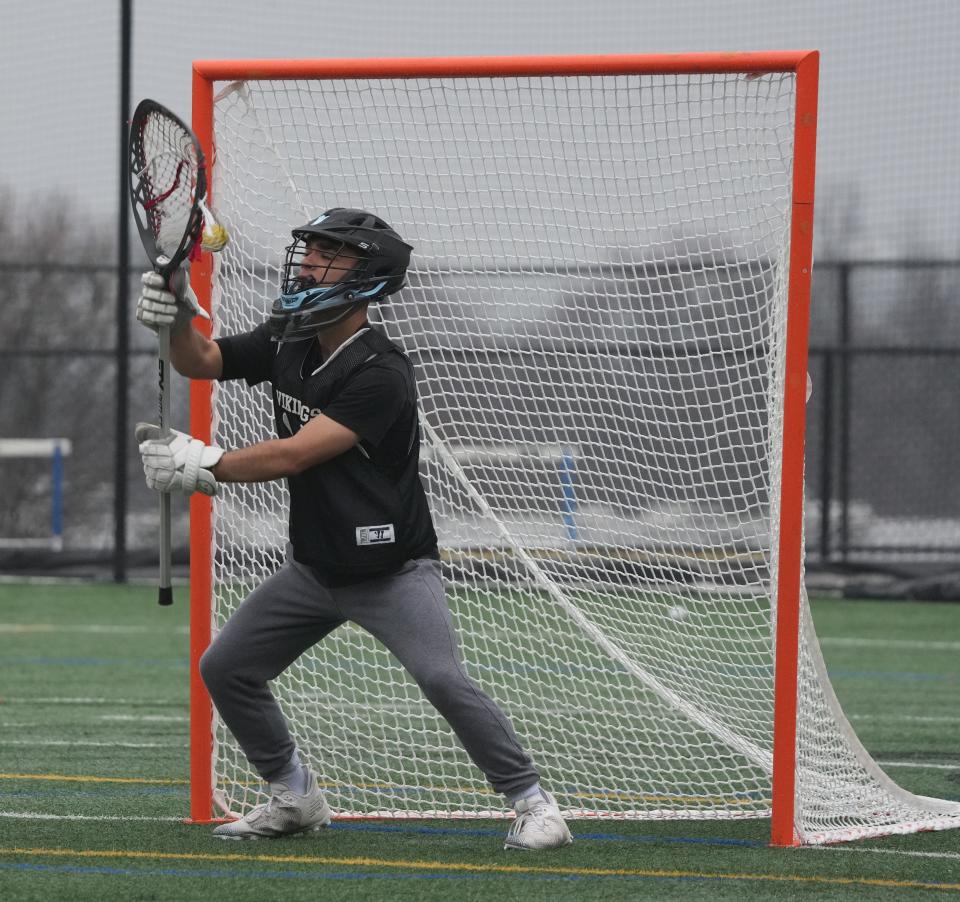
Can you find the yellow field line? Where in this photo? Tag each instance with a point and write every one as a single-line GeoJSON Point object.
{"type": "Point", "coordinates": [478, 868]}
{"type": "Point", "coordinates": [68, 778]}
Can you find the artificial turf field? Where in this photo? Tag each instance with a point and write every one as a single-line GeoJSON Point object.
{"type": "Point", "coordinates": [93, 781]}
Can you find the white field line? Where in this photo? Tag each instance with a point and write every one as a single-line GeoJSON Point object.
{"type": "Point", "coordinates": [904, 718]}
{"type": "Point", "coordinates": [950, 856]}
{"type": "Point", "coordinates": [37, 816]}
{"type": "Point", "coordinates": [91, 743]}
{"type": "Point", "coordinates": [109, 718]}
{"type": "Point", "coordinates": [334, 705]}
{"type": "Point", "coordinates": [146, 718]}
{"type": "Point", "coordinates": [859, 642]}
{"type": "Point", "coordinates": [87, 700]}
{"type": "Point", "coordinates": [849, 641]}
{"type": "Point", "coordinates": [926, 765]}
{"type": "Point", "coordinates": [98, 628]}
{"type": "Point", "coordinates": [424, 707]}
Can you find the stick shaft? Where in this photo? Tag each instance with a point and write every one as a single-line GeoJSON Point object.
{"type": "Point", "coordinates": [163, 373]}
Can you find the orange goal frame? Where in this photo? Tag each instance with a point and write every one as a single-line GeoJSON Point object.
{"type": "Point", "coordinates": [805, 65]}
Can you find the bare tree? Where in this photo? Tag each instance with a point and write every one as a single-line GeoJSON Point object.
{"type": "Point", "coordinates": [57, 310]}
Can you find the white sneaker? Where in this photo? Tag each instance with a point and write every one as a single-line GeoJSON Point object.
{"type": "Point", "coordinates": [538, 826]}
{"type": "Point", "coordinates": [286, 813]}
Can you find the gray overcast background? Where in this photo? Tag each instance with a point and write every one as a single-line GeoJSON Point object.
{"type": "Point", "coordinates": [888, 180]}
{"type": "Point", "coordinates": [888, 186]}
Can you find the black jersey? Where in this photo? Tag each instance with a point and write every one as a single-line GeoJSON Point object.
{"type": "Point", "coordinates": [363, 513]}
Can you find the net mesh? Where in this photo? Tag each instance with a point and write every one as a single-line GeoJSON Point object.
{"type": "Point", "coordinates": [596, 313]}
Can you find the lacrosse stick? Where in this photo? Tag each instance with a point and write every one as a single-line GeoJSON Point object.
{"type": "Point", "coordinates": [168, 184]}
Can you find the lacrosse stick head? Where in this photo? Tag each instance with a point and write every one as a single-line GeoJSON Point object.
{"type": "Point", "coordinates": [168, 183]}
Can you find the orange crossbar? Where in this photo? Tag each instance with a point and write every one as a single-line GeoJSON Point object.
{"type": "Point", "coordinates": [502, 66]}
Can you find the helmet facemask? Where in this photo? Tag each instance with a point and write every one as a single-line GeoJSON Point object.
{"type": "Point", "coordinates": [323, 282]}
{"type": "Point", "coordinates": [317, 262]}
{"type": "Point", "coordinates": [337, 263]}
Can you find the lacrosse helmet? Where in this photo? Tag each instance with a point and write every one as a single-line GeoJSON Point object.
{"type": "Point", "coordinates": [337, 261]}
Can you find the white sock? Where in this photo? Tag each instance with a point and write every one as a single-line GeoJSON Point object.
{"type": "Point", "coordinates": [294, 776]}
{"type": "Point", "coordinates": [533, 790]}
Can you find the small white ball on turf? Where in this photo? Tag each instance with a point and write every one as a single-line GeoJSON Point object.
{"type": "Point", "coordinates": [678, 612]}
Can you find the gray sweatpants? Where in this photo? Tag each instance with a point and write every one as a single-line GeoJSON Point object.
{"type": "Point", "coordinates": [406, 611]}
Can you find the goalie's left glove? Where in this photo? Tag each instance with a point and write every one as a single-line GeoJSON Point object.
{"type": "Point", "coordinates": [177, 462]}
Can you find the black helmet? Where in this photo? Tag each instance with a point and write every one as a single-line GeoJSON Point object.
{"type": "Point", "coordinates": [305, 303]}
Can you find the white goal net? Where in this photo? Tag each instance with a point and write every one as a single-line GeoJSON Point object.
{"type": "Point", "coordinates": [596, 310]}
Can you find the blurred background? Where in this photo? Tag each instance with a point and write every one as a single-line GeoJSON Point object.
{"type": "Point", "coordinates": [76, 371]}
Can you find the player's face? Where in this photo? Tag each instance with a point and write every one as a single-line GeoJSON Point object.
{"type": "Point", "coordinates": [326, 263]}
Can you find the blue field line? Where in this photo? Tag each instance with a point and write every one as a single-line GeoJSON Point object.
{"type": "Point", "coordinates": [593, 837]}
{"type": "Point", "coordinates": [222, 873]}
{"type": "Point", "coordinates": [604, 792]}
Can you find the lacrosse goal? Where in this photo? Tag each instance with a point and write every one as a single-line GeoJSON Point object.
{"type": "Point", "coordinates": [607, 309]}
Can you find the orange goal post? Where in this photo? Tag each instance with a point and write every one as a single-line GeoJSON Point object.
{"type": "Point", "coordinates": [608, 311]}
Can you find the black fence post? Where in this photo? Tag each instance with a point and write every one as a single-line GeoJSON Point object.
{"type": "Point", "coordinates": [845, 410]}
{"type": "Point", "coordinates": [826, 452]}
{"type": "Point", "coordinates": [123, 304]}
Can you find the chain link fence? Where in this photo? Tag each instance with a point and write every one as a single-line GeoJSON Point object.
{"type": "Point", "coordinates": [881, 429]}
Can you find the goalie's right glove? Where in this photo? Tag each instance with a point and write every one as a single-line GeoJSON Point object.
{"type": "Point", "coordinates": [177, 462]}
{"type": "Point", "coordinates": [174, 305]}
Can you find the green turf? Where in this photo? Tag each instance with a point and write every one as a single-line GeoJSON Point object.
{"type": "Point", "coordinates": [93, 683]}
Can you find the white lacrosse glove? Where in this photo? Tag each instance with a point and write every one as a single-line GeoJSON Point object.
{"type": "Point", "coordinates": [173, 304]}
{"type": "Point", "coordinates": [177, 462]}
